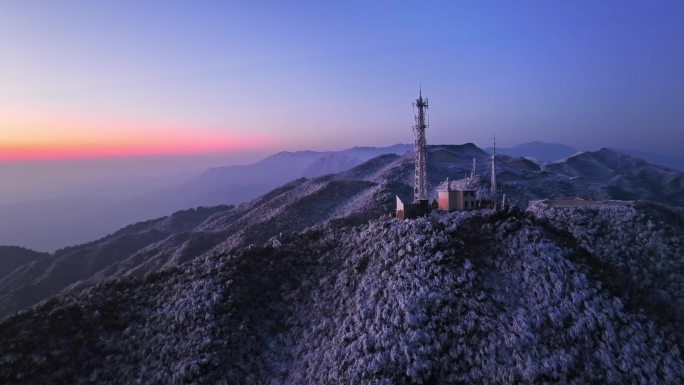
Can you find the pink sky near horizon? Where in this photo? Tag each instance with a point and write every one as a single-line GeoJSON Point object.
{"type": "Point", "coordinates": [93, 79]}
{"type": "Point", "coordinates": [32, 135]}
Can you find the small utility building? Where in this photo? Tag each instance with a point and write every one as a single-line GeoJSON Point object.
{"type": "Point", "coordinates": [411, 210]}
{"type": "Point", "coordinates": [455, 200]}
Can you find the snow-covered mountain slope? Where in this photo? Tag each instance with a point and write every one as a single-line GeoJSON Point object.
{"type": "Point", "coordinates": [634, 248]}
{"type": "Point", "coordinates": [12, 257]}
{"type": "Point", "coordinates": [552, 152]}
{"type": "Point", "coordinates": [602, 174]}
{"type": "Point", "coordinates": [46, 274]}
{"type": "Point", "coordinates": [330, 164]}
{"type": "Point", "coordinates": [236, 184]}
{"type": "Point", "coordinates": [352, 197]}
{"type": "Point", "coordinates": [673, 162]}
{"type": "Point", "coordinates": [479, 297]}
{"type": "Point", "coordinates": [152, 245]}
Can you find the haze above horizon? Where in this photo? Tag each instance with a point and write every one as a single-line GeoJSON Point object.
{"type": "Point", "coordinates": [120, 79]}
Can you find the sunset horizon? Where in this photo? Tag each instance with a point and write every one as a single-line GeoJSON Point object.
{"type": "Point", "coordinates": [341, 192]}
{"type": "Point", "coordinates": [94, 79]}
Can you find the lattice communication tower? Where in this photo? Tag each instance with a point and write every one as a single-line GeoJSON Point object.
{"type": "Point", "coordinates": [420, 183]}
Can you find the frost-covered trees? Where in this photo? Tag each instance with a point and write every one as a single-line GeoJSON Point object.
{"type": "Point", "coordinates": [476, 297]}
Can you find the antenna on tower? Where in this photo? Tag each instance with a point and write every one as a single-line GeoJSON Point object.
{"type": "Point", "coordinates": [420, 149]}
{"type": "Point", "coordinates": [472, 173]}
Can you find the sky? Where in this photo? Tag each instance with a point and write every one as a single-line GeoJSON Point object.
{"type": "Point", "coordinates": [112, 79]}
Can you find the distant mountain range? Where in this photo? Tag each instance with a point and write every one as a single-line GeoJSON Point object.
{"type": "Point", "coordinates": [551, 152]}
{"type": "Point", "coordinates": [581, 296]}
{"type": "Point", "coordinates": [351, 197]}
{"type": "Point", "coordinates": [313, 282]}
{"type": "Point", "coordinates": [51, 224]}
{"type": "Point", "coordinates": [675, 163]}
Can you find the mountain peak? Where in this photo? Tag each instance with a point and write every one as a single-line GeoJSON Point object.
{"type": "Point", "coordinates": [402, 302]}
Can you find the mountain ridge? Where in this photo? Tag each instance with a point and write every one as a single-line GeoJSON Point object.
{"type": "Point", "coordinates": [79, 219]}
{"type": "Point", "coordinates": [355, 196]}
{"type": "Point", "coordinates": [553, 152]}
{"type": "Point", "coordinates": [214, 186]}
{"type": "Point", "coordinates": [478, 297]}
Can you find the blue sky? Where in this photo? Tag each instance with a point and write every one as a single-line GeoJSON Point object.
{"type": "Point", "coordinates": [328, 75]}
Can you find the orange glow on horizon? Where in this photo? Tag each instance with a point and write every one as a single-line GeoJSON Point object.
{"type": "Point", "coordinates": [60, 137]}
{"type": "Point", "coordinates": [77, 151]}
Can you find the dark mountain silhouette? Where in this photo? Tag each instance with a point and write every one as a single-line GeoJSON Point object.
{"type": "Point", "coordinates": [236, 184]}
{"type": "Point", "coordinates": [673, 162]}
{"type": "Point", "coordinates": [552, 152]}
{"type": "Point", "coordinates": [355, 196]}
{"type": "Point", "coordinates": [477, 297]}
{"type": "Point", "coordinates": [52, 224]}
{"type": "Point", "coordinates": [46, 274]}
{"type": "Point", "coordinates": [11, 257]}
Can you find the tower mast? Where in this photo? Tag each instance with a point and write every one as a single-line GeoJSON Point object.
{"type": "Point", "coordinates": [420, 149]}
{"type": "Point", "coordinates": [472, 173]}
{"type": "Point", "coordinates": [494, 167]}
